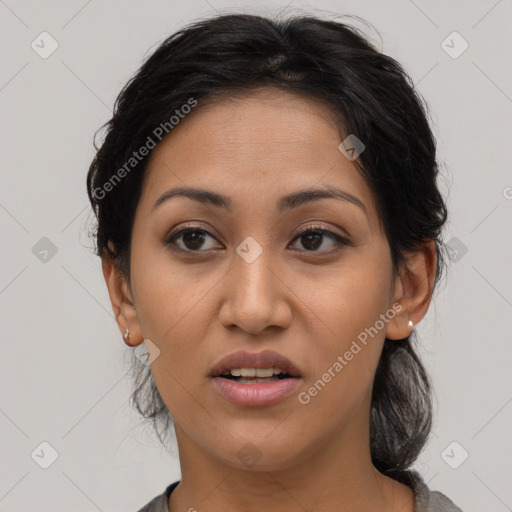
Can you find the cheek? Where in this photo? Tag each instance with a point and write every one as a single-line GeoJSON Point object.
{"type": "Point", "coordinates": [172, 309]}
{"type": "Point", "coordinates": [172, 320]}
{"type": "Point", "coordinates": [349, 307]}
{"type": "Point", "coordinates": [168, 295]}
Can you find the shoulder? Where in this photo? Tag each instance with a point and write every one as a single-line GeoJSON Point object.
{"type": "Point", "coordinates": [160, 503]}
{"type": "Point", "coordinates": [425, 499]}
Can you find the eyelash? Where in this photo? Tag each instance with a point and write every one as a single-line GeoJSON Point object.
{"type": "Point", "coordinates": [341, 241]}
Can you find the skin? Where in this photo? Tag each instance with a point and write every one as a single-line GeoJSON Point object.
{"type": "Point", "coordinates": [295, 298]}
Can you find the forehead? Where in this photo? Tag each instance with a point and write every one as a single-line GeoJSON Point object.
{"type": "Point", "coordinates": [255, 147]}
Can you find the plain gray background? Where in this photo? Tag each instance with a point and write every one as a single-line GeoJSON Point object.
{"type": "Point", "coordinates": [63, 367]}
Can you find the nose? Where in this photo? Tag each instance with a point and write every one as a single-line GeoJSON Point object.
{"type": "Point", "coordinates": [255, 296]}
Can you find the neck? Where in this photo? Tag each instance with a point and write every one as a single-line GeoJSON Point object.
{"type": "Point", "coordinates": [337, 476]}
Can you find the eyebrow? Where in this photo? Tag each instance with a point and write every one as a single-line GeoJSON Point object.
{"type": "Point", "coordinates": [286, 203]}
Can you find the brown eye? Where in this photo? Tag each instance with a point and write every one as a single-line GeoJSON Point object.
{"type": "Point", "coordinates": [312, 238]}
{"type": "Point", "coordinates": [192, 239]}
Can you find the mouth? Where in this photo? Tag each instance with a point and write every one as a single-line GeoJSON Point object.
{"type": "Point", "coordinates": [255, 379]}
{"type": "Point", "coordinates": [250, 366]}
{"type": "Point", "coordinates": [256, 375]}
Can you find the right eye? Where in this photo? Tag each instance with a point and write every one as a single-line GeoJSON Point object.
{"type": "Point", "coordinates": [192, 238]}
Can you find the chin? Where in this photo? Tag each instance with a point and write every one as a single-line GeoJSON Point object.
{"type": "Point", "coordinates": [262, 454]}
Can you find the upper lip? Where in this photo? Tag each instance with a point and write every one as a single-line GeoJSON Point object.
{"type": "Point", "coordinates": [244, 359]}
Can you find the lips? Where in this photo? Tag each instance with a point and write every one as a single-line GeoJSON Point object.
{"type": "Point", "coordinates": [265, 359]}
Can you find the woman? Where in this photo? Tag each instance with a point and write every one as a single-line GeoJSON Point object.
{"type": "Point", "coordinates": [269, 225]}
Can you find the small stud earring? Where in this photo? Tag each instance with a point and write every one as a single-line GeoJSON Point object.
{"type": "Point", "coordinates": [410, 324]}
{"type": "Point", "coordinates": [126, 335]}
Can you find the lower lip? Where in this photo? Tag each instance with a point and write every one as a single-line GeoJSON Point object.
{"type": "Point", "coordinates": [255, 395]}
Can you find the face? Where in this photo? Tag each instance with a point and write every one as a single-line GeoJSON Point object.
{"type": "Point", "coordinates": [305, 279]}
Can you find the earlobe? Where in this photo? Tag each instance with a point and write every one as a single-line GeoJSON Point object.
{"type": "Point", "coordinates": [401, 326]}
{"type": "Point", "coordinates": [122, 303]}
{"type": "Point", "coordinates": [413, 291]}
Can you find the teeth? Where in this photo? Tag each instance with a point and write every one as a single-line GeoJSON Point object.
{"type": "Point", "coordinates": [254, 372]}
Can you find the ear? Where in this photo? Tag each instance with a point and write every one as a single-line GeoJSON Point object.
{"type": "Point", "coordinates": [413, 290]}
{"type": "Point", "coordinates": [122, 301]}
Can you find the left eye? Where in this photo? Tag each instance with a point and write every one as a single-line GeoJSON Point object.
{"type": "Point", "coordinates": [313, 237]}
{"type": "Point", "coordinates": [193, 238]}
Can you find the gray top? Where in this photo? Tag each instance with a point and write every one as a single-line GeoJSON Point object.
{"type": "Point", "coordinates": [425, 499]}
